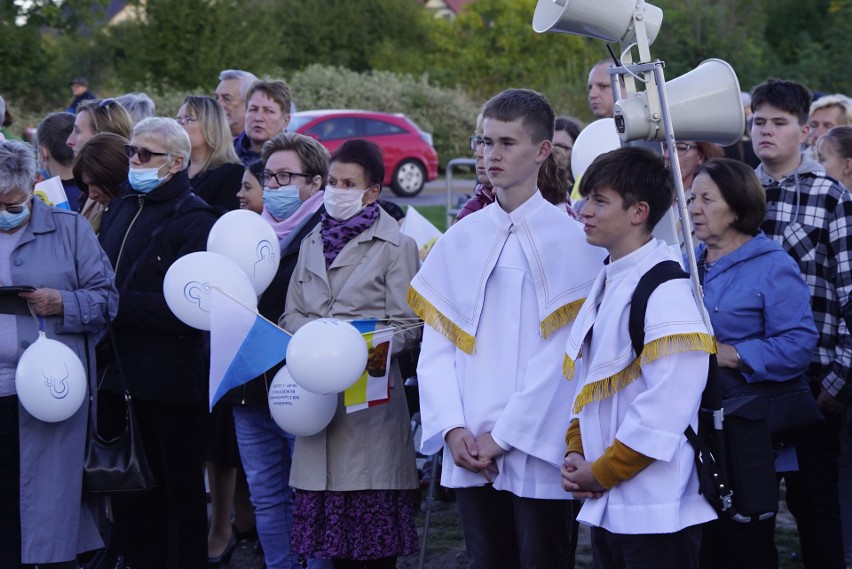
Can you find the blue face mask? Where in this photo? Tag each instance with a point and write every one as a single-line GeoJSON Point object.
{"type": "Point", "coordinates": [282, 202]}
{"type": "Point", "coordinates": [9, 221]}
{"type": "Point", "coordinates": [145, 179]}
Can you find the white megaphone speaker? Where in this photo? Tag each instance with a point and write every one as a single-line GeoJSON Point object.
{"type": "Point", "coordinates": [704, 105]}
{"type": "Point", "coordinates": [610, 20]}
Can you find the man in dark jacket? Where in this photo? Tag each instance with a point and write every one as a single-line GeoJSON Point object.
{"type": "Point", "coordinates": [80, 90]}
{"type": "Point", "coordinates": [163, 359]}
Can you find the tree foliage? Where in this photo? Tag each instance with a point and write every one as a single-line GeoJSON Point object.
{"type": "Point", "coordinates": [179, 46]}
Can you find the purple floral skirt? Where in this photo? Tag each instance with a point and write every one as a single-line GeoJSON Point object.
{"type": "Point", "coordinates": [360, 525]}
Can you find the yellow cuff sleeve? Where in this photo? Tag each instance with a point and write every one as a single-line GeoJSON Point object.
{"type": "Point", "coordinates": [572, 438]}
{"type": "Point", "coordinates": [618, 463]}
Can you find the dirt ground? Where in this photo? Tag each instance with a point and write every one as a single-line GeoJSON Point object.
{"type": "Point", "coordinates": [445, 545]}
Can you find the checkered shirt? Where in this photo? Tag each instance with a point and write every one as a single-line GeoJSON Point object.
{"type": "Point", "coordinates": [810, 215]}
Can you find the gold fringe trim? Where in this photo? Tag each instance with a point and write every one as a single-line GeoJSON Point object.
{"type": "Point", "coordinates": [661, 347]}
{"type": "Point", "coordinates": [429, 314]}
{"type": "Point", "coordinates": [560, 317]}
{"type": "Point", "coordinates": [568, 365]}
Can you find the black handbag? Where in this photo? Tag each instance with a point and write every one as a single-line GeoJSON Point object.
{"type": "Point", "coordinates": [734, 457]}
{"type": "Point", "coordinates": [791, 403]}
{"type": "Point", "coordinates": [116, 465]}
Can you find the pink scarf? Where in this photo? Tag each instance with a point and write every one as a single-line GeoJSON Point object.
{"type": "Point", "coordinates": [283, 228]}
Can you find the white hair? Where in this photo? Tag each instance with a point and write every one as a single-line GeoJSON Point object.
{"type": "Point", "coordinates": [17, 167]}
{"type": "Point", "coordinates": [836, 100]}
{"type": "Point", "coordinates": [244, 77]}
{"type": "Point", "coordinates": [173, 136]}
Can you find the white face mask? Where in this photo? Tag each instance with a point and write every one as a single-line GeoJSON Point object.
{"type": "Point", "coordinates": [342, 204]}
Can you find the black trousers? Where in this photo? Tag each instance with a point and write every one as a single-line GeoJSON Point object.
{"type": "Point", "coordinates": [10, 467]}
{"type": "Point", "coordinates": [165, 528]}
{"type": "Point", "coordinates": [813, 495]}
{"type": "Point", "coordinates": [677, 550]}
{"type": "Point", "coordinates": [503, 531]}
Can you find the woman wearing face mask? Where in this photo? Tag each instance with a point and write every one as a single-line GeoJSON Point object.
{"type": "Point", "coordinates": [44, 519]}
{"type": "Point", "coordinates": [293, 169]}
{"type": "Point", "coordinates": [164, 360]}
{"type": "Point", "coordinates": [354, 479]}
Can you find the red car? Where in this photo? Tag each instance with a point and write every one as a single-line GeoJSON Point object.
{"type": "Point", "coordinates": [410, 158]}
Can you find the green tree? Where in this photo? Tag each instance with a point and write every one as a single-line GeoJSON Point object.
{"type": "Point", "coordinates": [491, 46]}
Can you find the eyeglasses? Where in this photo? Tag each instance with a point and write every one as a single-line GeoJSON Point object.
{"type": "Point", "coordinates": [475, 142]}
{"type": "Point", "coordinates": [680, 147]}
{"type": "Point", "coordinates": [15, 209]}
{"type": "Point", "coordinates": [183, 121]}
{"type": "Point", "coordinates": [144, 154]}
{"type": "Point", "coordinates": [282, 178]}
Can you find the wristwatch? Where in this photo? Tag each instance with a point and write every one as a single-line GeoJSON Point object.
{"type": "Point", "coordinates": [741, 366]}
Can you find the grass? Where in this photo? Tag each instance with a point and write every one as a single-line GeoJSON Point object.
{"type": "Point", "coordinates": [436, 214]}
{"type": "Point", "coordinates": [445, 534]}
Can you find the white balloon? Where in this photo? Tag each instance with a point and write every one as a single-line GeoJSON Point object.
{"type": "Point", "coordinates": [297, 410]}
{"type": "Point", "coordinates": [50, 380]}
{"type": "Point", "coordinates": [597, 138]}
{"type": "Point", "coordinates": [327, 355]}
{"type": "Point", "coordinates": [189, 283]}
{"type": "Point", "coordinates": [247, 239]}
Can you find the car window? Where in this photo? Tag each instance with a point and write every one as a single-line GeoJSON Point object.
{"type": "Point", "coordinates": [374, 127]}
{"type": "Point", "coordinates": [343, 127]}
{"type": "Point", "coordinates": [298, 122]}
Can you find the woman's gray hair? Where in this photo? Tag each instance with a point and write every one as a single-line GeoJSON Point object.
{"type": "Point", "coordinates": [139, 105]}
{"type": "Point", "coordinates": [17, 167]}
{"type": "Point", "coordinates": [173, 136]}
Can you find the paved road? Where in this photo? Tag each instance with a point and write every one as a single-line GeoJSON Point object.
{"type": "Point", "coordinates": [435, 193]}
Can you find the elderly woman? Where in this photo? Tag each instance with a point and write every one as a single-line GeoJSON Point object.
{"type": "Point", "coordinates": [251, 190]}
{"type": "Point", "coordinates": [214, 170]}
{"type": "Point", "coordinates": [296, 168]}
{"type": "Point", "coordinates": [164, 360]}
{"type": "Point", "coordinates": [97, 116]}
{"type": "Point", "coordinates": [353, 480]}
{"type": "Point", "coordinates": [759, 306]}
{"type": "Point", "coordinates": [100, 169]}
{"type": "Point", "coordinates": [43, 516]}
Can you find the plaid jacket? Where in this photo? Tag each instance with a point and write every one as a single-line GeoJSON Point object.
{"type": "Point", "coordinates": [810, 215]}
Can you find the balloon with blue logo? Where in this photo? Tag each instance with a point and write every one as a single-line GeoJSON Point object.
{"type": "Point", "coordinates": [247, 239]}
{"type": "Point", "coordinates": [50, 380]}
{"type": "Point", "coordinates": [189, 283]}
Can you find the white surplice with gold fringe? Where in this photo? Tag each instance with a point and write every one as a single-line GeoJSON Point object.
{"type": "Point", "coordinates": [647, 402]}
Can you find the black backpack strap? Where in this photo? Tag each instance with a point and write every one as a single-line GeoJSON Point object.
{"type": "Point", "coordinates": [657, 275]}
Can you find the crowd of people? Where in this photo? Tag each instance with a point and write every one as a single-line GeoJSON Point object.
{"type": "Point", "coordinates": [528, 379]}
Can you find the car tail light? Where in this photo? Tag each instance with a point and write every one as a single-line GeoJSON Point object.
{"type": "Point", "coordinates": [427, 138]}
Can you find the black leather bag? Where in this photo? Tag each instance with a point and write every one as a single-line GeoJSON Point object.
{"type": "Point", "coordinates": [791, 403]}
{"type": "Point", "coordinates": [733, 446]}
{"type": "Point", "coordinates": [116, 465]}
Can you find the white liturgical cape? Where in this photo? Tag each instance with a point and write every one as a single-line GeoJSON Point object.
{"type": "Point", "coordinates": [647, 407]}
{"type": "Point", "coordinates": [498, 293]}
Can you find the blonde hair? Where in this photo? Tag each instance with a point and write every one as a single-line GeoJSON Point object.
{"type": "Point", "coordinates": [215, 129]}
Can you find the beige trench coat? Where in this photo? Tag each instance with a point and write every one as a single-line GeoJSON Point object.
{"type": "Point", "coordinates": [370, 449]}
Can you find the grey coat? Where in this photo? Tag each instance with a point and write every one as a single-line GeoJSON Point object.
{"type": "Point", "coordinates": [59, 250]}
{"type": "Point", "coordinates": [370, 449]}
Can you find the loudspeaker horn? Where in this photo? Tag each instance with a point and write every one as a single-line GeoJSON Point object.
{"type": "Point", "coordinates": [611, 20]}
{"type": "Point", "coordinates": [704, 105]}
